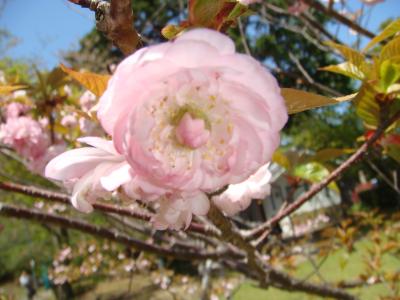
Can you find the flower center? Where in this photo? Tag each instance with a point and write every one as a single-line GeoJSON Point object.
{"type": "Point", "coordinates": [191, 131]}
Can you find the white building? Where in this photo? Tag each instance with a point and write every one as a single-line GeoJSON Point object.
{"type": "Point", "coordinates": [308, 217]}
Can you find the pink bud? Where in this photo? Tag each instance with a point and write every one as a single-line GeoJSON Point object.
{"type": "Point", "coordinates": [192, 132]}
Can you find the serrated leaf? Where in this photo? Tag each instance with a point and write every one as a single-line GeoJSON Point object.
{"type": "Point", "coordinates": [367, 107]}
{"type": "Point", "coordinates": [297, 100]}
{"type": "Point", "coordinates": [389, 31]}
{"type": "Point", "coordinates": [347, 69]}
{"type": "Point", "coordinates": [389, 74]}
{"type": "Point", "coordinates": [314, 172]}
{"type": "Point", "coordinates": [8, 89]}
{"type": "Point", "coordinates": [352, 56]}
{"type": "Point", "coordinates": [203, 12]}
{"type": "Point", "coordinates": [391, 50]}
{"type": "Point", "coordinates": [237, 11]}
{"type": "Point", "coordinates": [96, 83]}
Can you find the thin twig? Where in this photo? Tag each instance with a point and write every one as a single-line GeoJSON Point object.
{"type": "Point", "coordinates": [339, 17]}
{"type": "Point", "coordinates": [383, 176]}
{"type": "Point", "coordinates": [107, 208]}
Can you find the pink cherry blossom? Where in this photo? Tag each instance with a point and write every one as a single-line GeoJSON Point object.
{"type": "Point", "coordinates": [90, 128]}
{"type": "Point", "coordinates": [15, 109]}
{"type": "Point", "coordinates": [186, 118]}
{"type": "Point", "coordinates": [238, 196]}
{"type": "Point", "coordinates": [38, 165]}
{"type": "Point", "coordinates": [87, 101]}
{"type": "Point", "coordinates": [193, 115]}
{"type": "Point", "coordinates": [26, 136]}
{"type": "Point", "coordinates": [95, 171]}
{"type": "Point", "coordinates": [175, 212]}
{"type": "Point", "coordinates": [69, 121]}
{"type": "Point", "coordinates": [192, 132]}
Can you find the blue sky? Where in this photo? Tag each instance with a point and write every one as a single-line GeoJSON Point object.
{"type": "Point", "coordinates": [46, 27]}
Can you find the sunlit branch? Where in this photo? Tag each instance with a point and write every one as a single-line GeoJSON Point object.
{"type": "Point", "coordinates": [339, 17]}
{"type": "Point", "coordinates": [110, 234]}
{"type": "Point", "coordinates": [115, 20]}
{"type": "Point", "coordinates": [107, 208]}
{"type": "Point", "coordinates": [267, 18]}
{"type": "Point", "coordinates": [316, 188]}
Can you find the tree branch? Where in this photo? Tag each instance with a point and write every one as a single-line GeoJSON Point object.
{"type": "Point", "coordinates": [342, 19]}
{"type": "Point", "coordinates": [316, 188]}
{"type": "Point", "coordinates": [107, 208]}
{"type": "Point", "coordinates": [115, 20]}
{"type": "Point", "coordinates": [30, 214]}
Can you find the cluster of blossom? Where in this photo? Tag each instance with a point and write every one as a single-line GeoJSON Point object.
{"type": "Point", "coordinates": [93, 259]}
{"type": "Point", "coordinates": [87, 127]}
{"type": "Point", "coordinates": [27, 136]}
{"type": "Point", "coordinates": [186, 118]}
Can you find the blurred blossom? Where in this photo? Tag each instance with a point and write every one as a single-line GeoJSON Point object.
{"type": "Point", "coordinates": [67, 90]}
{"type": "Point", "coordinates": [26, 136]}
{"type": "Point", "coordinates": [19, 94]}
{"type": "Point", "coordinates": [38, 165]}
{"type": "Point", "coordinates": [15, 110]}
{"type": "Point", "coordinates": [87, 101]}
{"type": "Point", "coordinates": [2, 77]}
{"type": "Point", "coordinates": [91, 248]}
{"type": "Point", "coordinates": [69, 121]}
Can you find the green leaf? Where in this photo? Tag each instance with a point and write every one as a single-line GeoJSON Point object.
{"type": "Point", "coordinates": [391, 50]}
{"type": "Point", "coordinates": [171, 31]}
{"type": "Point", "coordinates": [347, 69]}
{"type": "Point", "coordinates": [367, 107]}
{"type": "Point", "coordinates": [314, 172]}
{"type": "Point", "coordinates": [352, 56]}
{"type": "Point", "coordinates": [237, 11]}
{"type": "Point", "coordinates": [297, 100]}
{"type": "Point", "coordinates": [203, 12]}
{"type": "Point", "coordinates": [393, 150]}
{"type": "Point", "coordinates": [95, 83]}
{"type": "Point", "coordinates": [389, 74]}
{"type": "Point", "coordinates": [389, 31]}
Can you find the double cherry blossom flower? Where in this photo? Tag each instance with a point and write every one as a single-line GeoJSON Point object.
{"type": "Point", "coordinates": [186, 118]}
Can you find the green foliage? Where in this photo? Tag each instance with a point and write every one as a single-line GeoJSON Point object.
{"type": "Point", "coordinates": [377, 74]}
{"type": "Point", "coordinates": [202, 13]}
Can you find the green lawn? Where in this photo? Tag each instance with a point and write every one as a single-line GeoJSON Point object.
{"type": "Point", "coordinates": [334, 269]}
